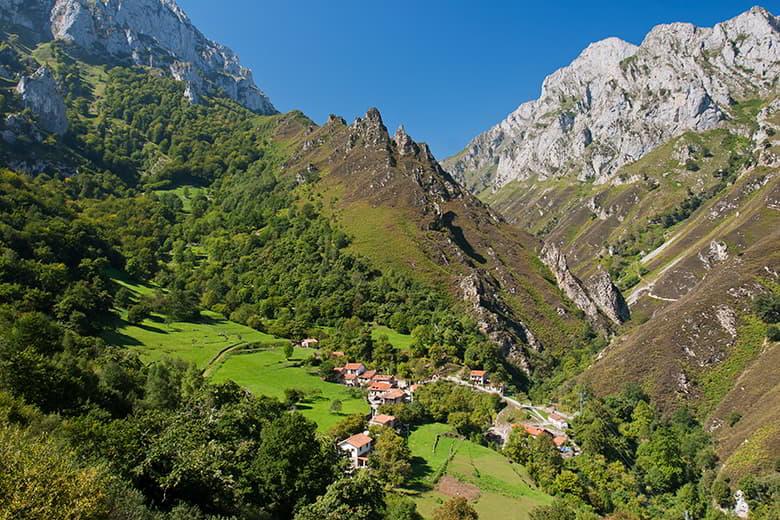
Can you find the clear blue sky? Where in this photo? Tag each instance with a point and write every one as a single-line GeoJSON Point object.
{"type": "Point", "coordinates": [447, 70]}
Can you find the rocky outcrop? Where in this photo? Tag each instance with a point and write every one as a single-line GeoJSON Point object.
{"type": "Point", "coordinates": [491, 314]}
{"type": "Point", "coordinates": [608, 297]}
{"type": "Point", "coordinates": [599, 300]}
{"type": "Point", "coordinates": [617, 101]}
{"type": "Point", "coordinates": [154, 33]}
{"type": "Point", "coordinates": [40, 94]}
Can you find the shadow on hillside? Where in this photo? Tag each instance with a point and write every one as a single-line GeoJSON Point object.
{"type": "Point", "coordinates": [117, 338]}
{"type": "Point", "coordinates": [420, 470]}
{"type": "Point", "coordinates": [460, 238]}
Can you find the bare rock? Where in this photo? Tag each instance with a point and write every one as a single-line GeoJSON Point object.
{"type": "Point", "coordinates": [617, 101]}
{"type": "Point", "coordinates": [600, 299]}
{"type": "Point", "coordinates": [41, 95]}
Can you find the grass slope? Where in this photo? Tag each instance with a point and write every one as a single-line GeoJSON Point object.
{"type": "Point", "coordinates": [267, 372]}
{"type": "Point", "coordinates": [199, 342]}
{"type": "Point", "coordinates": [505, 491]}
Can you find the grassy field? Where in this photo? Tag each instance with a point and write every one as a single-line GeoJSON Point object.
{"type": "Point", "coordinates": [401, 341]}
{"type": "Point", "coordinates": [506, 492]}
{"type": "Point", "coordinates": [198, 342]}
{"type": "Point", "coordinates": [267, 372]}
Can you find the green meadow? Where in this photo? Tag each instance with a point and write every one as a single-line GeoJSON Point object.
{"type": "Point", "coordinates": [267, 372]}
{"type": "Point", "coordinates": [257, 363]}
{"type": "Point", "coordinates": [402, 342]}
{"type": "Point", "coordinates": [505, 490]}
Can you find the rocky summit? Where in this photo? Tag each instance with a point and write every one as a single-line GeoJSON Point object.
{"type": "Point", "coordinates": [154, 33]}
{"type": "Point", "coordinates": [617, 101]}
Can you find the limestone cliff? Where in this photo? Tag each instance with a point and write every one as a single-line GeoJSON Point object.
{"type": "Point", "coordinates": [617, 101]}
{"type": "Point", "coordinates": [155, 33]}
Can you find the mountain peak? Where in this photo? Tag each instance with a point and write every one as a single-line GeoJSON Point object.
{"type": "Point", "coordinates": [154, 33]}
{"type": "Point", "coordinates": [617, 101]}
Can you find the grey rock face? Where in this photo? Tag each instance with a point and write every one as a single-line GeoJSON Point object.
{"type": "Point", "coordinates": [40, 94]}
{"type": "Point", "coordinates": [599, 299]}
{"type": "Point", "coordinates": [617, 101]}
{"type": "Point", "coordinates": [154, 33]}
{"type": "Point", "coordinates": [608, 297]}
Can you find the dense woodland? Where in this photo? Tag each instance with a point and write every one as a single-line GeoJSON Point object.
{"type": "Point", "coordinates": [114, 438]}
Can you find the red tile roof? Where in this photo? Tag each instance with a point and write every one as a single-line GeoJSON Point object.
{"type": "Point", "coordinates": [379, 386]}
{"type": "Point", "coordinates": [350, 377]}
{"type": "Point", "coordinates": [383, 377]}
{"type": "Point", "coordinates": [478, 373]}
{"type": "Point", "coordinates": [368, 374]}
{"type": "Point", "coordinates": [394, 393]}
{"type": "Point", "coordinates": [383, 419]}
{"type": "Point", "coordinates": [560, 440]}
{"type": "Point", "coordinates": [358, 440]}
{"type": "Point", "coordinates": [533, 431]}
{"type": "Point", "coordinates": [354, 366]}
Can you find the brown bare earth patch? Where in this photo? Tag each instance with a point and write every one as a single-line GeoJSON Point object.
{"type": "Point", "coordinates": [453, 487]}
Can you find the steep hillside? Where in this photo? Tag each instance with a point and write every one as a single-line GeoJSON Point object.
{"type": "Point", "coordinates": [660, 165]}
{"type": "Point", "coordinates": [405, 212]}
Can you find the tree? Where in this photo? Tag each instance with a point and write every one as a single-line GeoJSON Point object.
{"type": "Point", "coordinates": [335, 406]}
{"type": "Point", "coordinates": [350, 425]}
{"type": "Point", "coordinates": [518, 446]}
{"type": "Point", "coordinates": [391, 458]}
{"type": "Point", "coordinates": [137, 313]}
{"type": "Point", "coordinates": [291, 466]}
{"type": "Point", "coordinates": [358, 498]}
{"type": "Point", "coordinates": [457, 508]}
{"type": "Point", "coordinates": [41, 480]}
{"type": "Point", "coordinates": [123, 297]}
{"type": "Point", "coordinates": [660, 463]}
{"type": "Point", "coordinates": [401, 508]}
{"type": "Point", "coordinates": [288, 351]}
{"type": "Point", "coordinates": [556, 511]}
{"type": "Point", "coordinates": [293, 396]}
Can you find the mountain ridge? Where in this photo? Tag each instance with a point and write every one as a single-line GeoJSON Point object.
{"type": "Point", "coordinates": [154, 33]}
{"type": "Point", "coordinates": [617, 101]}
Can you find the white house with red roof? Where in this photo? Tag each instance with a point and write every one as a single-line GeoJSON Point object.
{"type": "Point", "coordinates": [478, 377]}
{"type": "Point", "coordinates": [354, 368]}
{"type": "Point", "coordinates": [366, 377]}
{"type": "Point", "coordinates": [558, 420]}
{"type": "Point", "coordinates": [393, 396]}
{"type": "Point", "coordinates": [357, 448]}
{"type": "Point", "coordinates": [377, 388]}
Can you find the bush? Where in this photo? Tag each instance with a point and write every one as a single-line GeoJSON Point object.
{"type": "Point", "coordinates": [734, 418]}
{"type": "Point", "coordinates": [137, 313]}
{"type": "Point", "coordinates": [773, 333]}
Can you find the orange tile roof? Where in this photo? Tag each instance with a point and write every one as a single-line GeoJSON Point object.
{"type": "Point", "coordinates": [350, 377]}
{"type": "Point", "coordinates": [354, 366]}
{"type": "Point", "coordinates": [368, 374]}
{"type": "Point", "coordinates": [383, 377]}
{"type": "Point", "coordinates": [358, 440]}
{"type": "Point", "coordinates": [379, 386]}
{"type": "Point", "coordinates": [478, 373]}
{"type": "Point", "coordinates": [560, 440]}
{"type": "Point", "coordinates": [383, 419]}
{"type": "Point", "coordinates": [394, 393]}
{"type": "Point", "coordinates": [533, 431]}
